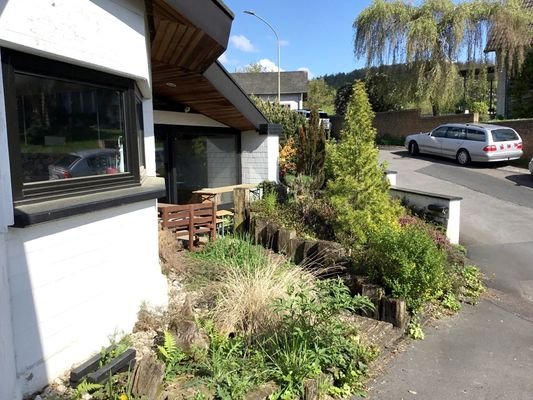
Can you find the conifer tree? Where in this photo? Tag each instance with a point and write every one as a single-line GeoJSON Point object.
{"type": "Point", "coordinates": [358, 190]}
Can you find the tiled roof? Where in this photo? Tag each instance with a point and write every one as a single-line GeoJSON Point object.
{"type": "Point", "coordinates": [267, 82]}
{"type": "Point", "coordinates": [494, 41]}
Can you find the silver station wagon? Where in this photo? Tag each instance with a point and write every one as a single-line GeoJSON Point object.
{"type": "Point", "coordinates": [468, 142]}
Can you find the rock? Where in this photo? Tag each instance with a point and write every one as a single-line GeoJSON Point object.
{"type": "Point", "coordinates": [262, 392]}
{"type": "Point", "coordinates": [310, 389]}
{"type": "Point", "coordinates": [284, 237]}
{"type": "Point", "coordinates": [183, 326]}
{"type": "Point", "coordinates": [148, 378]}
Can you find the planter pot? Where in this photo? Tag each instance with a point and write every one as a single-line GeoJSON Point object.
{"type": "Point", "coordinates": [90, 370]}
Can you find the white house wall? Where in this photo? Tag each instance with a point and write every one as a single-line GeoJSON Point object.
{"type": "Point", "coordinates": [8, 387]}
{"type": "Point", "coordinates": [259, 157]}
{"type": "Point", "coordinates": [88, 33]}
{"type": "Point", "coordinates": [66, 285]}
{"type": "Point", "coordinates": [76, 281]}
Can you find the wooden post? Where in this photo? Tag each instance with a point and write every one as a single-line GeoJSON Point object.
{"type": "Point", "coordinates": [242, 204]}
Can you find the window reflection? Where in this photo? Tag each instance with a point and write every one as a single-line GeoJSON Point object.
{"type": "Point", "coordinates": [68, 129]}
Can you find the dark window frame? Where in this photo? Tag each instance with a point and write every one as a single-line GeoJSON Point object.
{"type": "Point", "coordinates": [26, 193]}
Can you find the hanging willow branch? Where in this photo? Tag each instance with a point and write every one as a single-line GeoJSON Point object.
{"type": "Point", "coordinates": [430, 38]}
{"type": "Point", "coordinates": [392, 31]}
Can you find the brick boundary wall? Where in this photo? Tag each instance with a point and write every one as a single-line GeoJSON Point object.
{"type": "Point", "coordinates": [399, 124]}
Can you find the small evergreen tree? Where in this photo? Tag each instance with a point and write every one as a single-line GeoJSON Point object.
{"type": "Point", "coordinates": [358, 191]}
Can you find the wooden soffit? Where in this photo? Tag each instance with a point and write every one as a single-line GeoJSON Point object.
{"type": "Point", "coordinates": [187, 37]}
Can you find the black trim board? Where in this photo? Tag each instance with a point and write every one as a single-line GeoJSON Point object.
{"type": "Point", "coordinates": [46, 211]}
{"type": "Point", "coordinates": [208, 15]}
{"type": "Point", "coordinates": [223, 82]}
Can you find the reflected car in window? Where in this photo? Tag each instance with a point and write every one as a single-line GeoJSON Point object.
{"type": "Point", "coordinates": [86, 163]}
{"type": "Point", "coordinates": [468, 142]}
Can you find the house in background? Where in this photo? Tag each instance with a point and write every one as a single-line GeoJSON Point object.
{"type": "Point", "coordinates": [514, 94]}
{"type": "Point", "coordinates": [264, 85]}
{"type": "Point", "coordinates": [91, 94]}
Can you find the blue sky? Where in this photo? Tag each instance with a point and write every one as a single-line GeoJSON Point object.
{"type": "Point", "coordinates": [316, 36]}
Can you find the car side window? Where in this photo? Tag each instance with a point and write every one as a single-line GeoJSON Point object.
{"type": "Point", "coordinates": [475, 135]}
{"type": "Point", "coordinates": [439, 132]}
{"type": "Point", "coordinates": [456, 133]}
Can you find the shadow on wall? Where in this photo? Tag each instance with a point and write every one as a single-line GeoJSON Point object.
{"type": "Point", "coordinates": [27, 346]}
{"type": "Point", "coordinates": [76, 281]}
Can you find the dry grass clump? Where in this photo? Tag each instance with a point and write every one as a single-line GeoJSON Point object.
{"type": "Point", "coordinates": [245, 296]}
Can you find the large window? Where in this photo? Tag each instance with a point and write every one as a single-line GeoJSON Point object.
{"type": "Point", "coordinates": [70, 129]}
{"type": "Point", "coordinates": [191, 158]}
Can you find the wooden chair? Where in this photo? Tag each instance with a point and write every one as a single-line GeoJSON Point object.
{"type": "Point", "coordinates": [188, 221]}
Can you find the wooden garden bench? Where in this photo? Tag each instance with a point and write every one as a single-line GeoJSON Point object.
{"type": "Point", "coordinates": [188, 221]}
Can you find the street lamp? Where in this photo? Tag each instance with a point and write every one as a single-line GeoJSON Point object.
{"type": "Point", "coordinates": [277, 41]}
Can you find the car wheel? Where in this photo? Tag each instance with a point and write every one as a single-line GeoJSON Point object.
{"type": "Point", "coordinates": [413, 148]}
{"type": "Point", "coordinates": [463, 158]}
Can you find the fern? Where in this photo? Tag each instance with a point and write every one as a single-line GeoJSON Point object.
{"type": "Point", "coordinates": [85, 387]}
{"type": "Point", "coordinates": [171, 355]}
{"type": "Point", "coordinates": [169, 346]}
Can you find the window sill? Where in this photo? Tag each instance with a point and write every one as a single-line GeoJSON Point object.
{"type": "Point", "coordinates": [46, 211]}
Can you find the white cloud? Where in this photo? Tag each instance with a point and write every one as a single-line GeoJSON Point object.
{"type": "Point", "coordinates": [242, 43]}
{"type": "Point", "coordinates": [310, 75]}
{"type": "Point", "coordinates": [268, 65]}
{"type": "Point", "coordinates": [283, 42]}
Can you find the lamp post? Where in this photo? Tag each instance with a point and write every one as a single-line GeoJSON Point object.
{"type": "Point", "coordinates": [277, 41]}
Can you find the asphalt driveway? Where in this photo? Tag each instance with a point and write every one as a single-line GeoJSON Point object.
{"type": "Point", "coordinates": [486, 351]}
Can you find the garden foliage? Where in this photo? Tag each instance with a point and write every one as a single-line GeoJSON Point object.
{"type": "Point", "coordinates": [312, 150]}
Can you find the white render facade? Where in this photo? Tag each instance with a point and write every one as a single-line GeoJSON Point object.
{"type": "Point", "coordinates": [68, 283]}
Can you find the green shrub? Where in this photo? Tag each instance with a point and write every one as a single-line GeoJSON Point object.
{"type": "Point", "coordinates": [408, 263]}
{"type": "Point", "coordinates": [232, 252]}
{"type": "Point", "coordinates": [313, 338]}
{"type": "Point", "coordinates": [469, 282]}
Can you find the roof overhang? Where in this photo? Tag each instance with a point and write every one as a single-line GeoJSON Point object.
{"type": "Point", "coordinates": [187, 38]}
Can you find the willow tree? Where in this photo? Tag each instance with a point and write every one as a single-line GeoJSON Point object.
{"type": "Point", "coordinates": [431, 37]}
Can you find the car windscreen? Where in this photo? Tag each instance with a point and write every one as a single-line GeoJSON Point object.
{"type": "Point", "coordinates": [322, 115]}
{"type": "Point", "coordinates": [67, 161]}
{"type": "Point", "coordinates": [503, 135]}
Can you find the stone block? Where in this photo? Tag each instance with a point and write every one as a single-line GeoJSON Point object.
{"type": "Point", "coordinates": [358, 282]}
{"type": "Point", "coordinates": [284, 238]}
{"type": "Point", "coordinates": [395, 312]}
{"type": "Point", "coordinates": [296, 250]}
{"type": "Point", "coordinates": [260, 231]}
{"type": "Point", "coordinates": [375, 293]}
{"type": "Point", "coordinates": [271, 236]}
{"type": "Point", "coordinates": [329, 254]}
